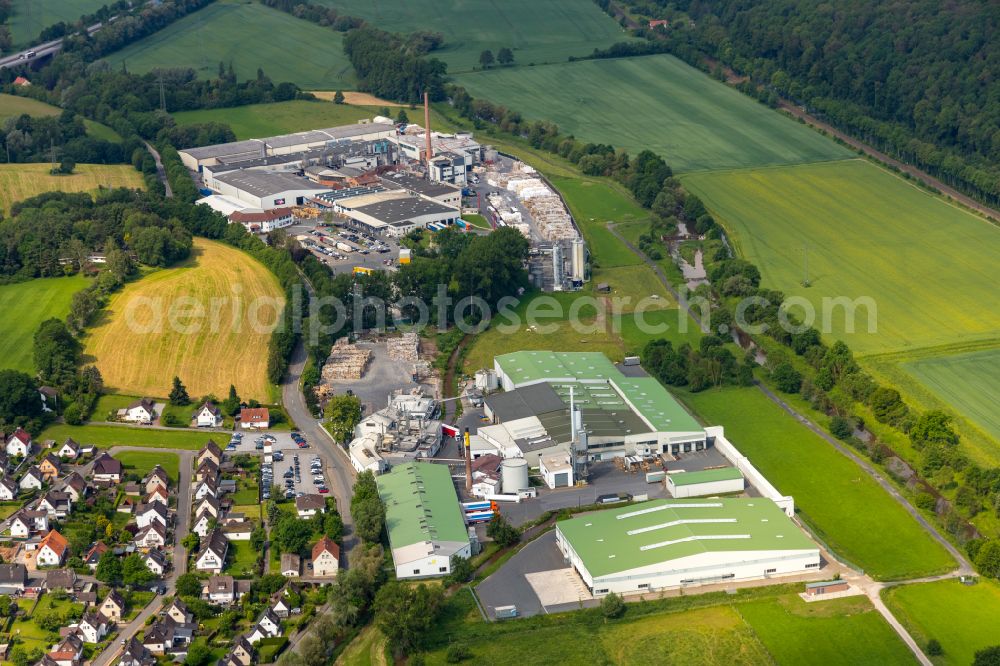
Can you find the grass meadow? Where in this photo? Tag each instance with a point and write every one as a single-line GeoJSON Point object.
{"type": "Point", "coordinates": [656, 103]}
{"type": "Point", "coordinates": [26, 305]}
{"type": "Point", "coordinates": [963, 618]}
{"type": "Point", "coordinates": [244, 34]}
{"type": "Point", "coordinates": [536, 32]}
{"type": "Point", "coordinates": [928, 265]}
{"type": "Point", "coordinates": [260, 120]}
{"type": "Point", "coordinates": [838, 500]}
{"type": "Point", "coordinates": [30, 17]}
{"type": "Point", "coordinates": [107, 436]}
{"type": "Point", "coordinates": [13, 105]}
{"type": "Point", "coordinates": [968, 383]}
{"type": "Point", "coordinates": [138, 348]}
{"type": "Point", "coordinates": [141, 462]}
{"type": "Point", "coordinates": [22, 181]}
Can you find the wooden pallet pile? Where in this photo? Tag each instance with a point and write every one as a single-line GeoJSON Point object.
{"type": "Point", "coordinates": [346, 361]}
{"type": "Point", "coordinates": [404, 348]}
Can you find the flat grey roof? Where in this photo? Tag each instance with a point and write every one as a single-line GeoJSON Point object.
{"type": "Point", "coordinates": [523, 402]}
{"type": "Point", "coordinates": [428, 188]}
{"type": "Point", "coordinates": [226, 149]}
{"type": "Point", "coordinates": [250, 146]}
{"type": "Point", "coordinates": [357, 129]}
{"type": "Point", "coordinates": [265, 183]}
{"type": "Point", "coordinates": [401, 210]}
{"type": "Point", "coordinates": [314, 136]}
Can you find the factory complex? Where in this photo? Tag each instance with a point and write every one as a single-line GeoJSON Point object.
{"type": "Point", "coordinates": [669, 543]}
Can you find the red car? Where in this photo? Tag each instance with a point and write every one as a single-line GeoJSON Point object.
{"type": "Point", "coordinates": [324, 490]}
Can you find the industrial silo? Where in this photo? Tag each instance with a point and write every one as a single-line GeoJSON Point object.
{"type": "Point", "coordinates": [514, 475]}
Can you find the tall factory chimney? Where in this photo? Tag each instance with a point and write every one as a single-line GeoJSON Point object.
{"type": "Point", "coordinates": [468, 463]}
{"type": "Point", "coordinates": [427, 131]}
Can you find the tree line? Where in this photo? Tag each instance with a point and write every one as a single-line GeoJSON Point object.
{"type": "Point", "coordinates": [28, 138]}
{"type": "Point", "coordinates": [392, 66]}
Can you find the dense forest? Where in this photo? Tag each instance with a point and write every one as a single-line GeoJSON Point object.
{"type": "Point", "coordinates": [915, 79]}
{"type": "Point", "coordinates": [393, 66]}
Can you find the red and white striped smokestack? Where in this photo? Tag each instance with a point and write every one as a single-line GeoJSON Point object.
{"type": "Point", "coordinates": [468, 462]}
{"type": "Point", "coordinates": [427, 130]}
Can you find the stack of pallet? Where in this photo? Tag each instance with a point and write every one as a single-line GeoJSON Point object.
{"type": "Point", "coordinates": [346, 361]}
{"type": "Point", "coordinates": [404, 348]}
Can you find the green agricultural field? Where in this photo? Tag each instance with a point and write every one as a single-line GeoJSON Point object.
{"type": "Point", "coordinates": [141, 462]}
{"type": "Point", "coordinates": [593, 204]}
{"type": "Point", "coordinates": [107, 436]}
{"type": "Point", "coordinates": [23, 181]}
{"type": "Point", "coordinates": [244, 34]}
{"type": "Point", "coordinates": [836, 631]}
{"type": "Point", "coordinates": [27, 305]}
{"type": "Point", "coordinates": [259, 120]}
{"type": "Point", "coordinates": [928, 266]}
{"type": "Point", "coordinates": [659, 103]}
{"type": "Point", "coordinates": [30, 17]}
{"type": "Point", "coordinates": [969, 383]}
{"type": "Point", "coordinates": [537, 32]}
{"type": "Point", "coordinates": [13, 105]}
{"type": "Point", "coordinates": [844, 505]}
{"type": "Point", "coordinates": [962, 618]}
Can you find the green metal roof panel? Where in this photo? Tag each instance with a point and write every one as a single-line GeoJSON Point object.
{"type": "Point", "coordinates": [591, 375]}
{"type": "Point", "coordinates": [650, 533]}
{"type": "Point", "coordinates": [705, 476]}
{"type": "Point", "coordinates": [421, 505]}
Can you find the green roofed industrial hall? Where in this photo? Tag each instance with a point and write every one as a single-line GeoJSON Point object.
{"type": "Point", "coordinates": [423, 519]}
{"type": "Point", "coordinates": [670, 543]}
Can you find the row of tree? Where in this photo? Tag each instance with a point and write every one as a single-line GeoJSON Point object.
{"type": "Point", "coordinates": [28, 138]}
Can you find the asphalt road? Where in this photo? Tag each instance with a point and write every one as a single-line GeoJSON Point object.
{"type": "Point", "coordinates": [41, 50]}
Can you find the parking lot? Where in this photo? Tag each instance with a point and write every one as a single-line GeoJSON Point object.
{"type": "Point", "coordinates": [284, 471]}
{"type": "Point", "coordinates": [282, 442]}
{"type": "Point", "coordinates": [366, 254]}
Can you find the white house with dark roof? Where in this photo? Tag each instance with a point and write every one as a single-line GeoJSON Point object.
{"type": "Point", "coordinates": [93, 627]}
{"type": "Point", "coordinates": [69, 449]}
{"type": "Point", "coordinates": [206, 488]}
{"type": "Point", "coordinates": [32, 479]}
{"type": "Point", "coordinates": [212, 556]}
{"type": "Point", "coordinates": [153, 535]}
{"type": "Point", "coordinates": [146, 514]}
{"type": "Point", "coordinates": [73, 485]}
{"type": "Point", "coordinates": [157, 478]}
{"type": "Point", "coordinates": [8, 490]}
{"type": "Point", "coordinates": [107, 469]}
{"type": "Point", "coordinates": [140, 411]}
{"type": "Point", "coordinates": [155, 561]}
{"type": "Point", "coordinates": [113, 606]}
{"type": "Point", "coordinates": [209, 416]}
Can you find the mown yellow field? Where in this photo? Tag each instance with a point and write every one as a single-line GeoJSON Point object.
{"type": "Point", "coordinates": [21, 181]}
{"type": "Point", "coordinates": [207, 322]}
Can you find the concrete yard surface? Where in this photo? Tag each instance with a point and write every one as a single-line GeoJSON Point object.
{"type": "Point", "coordinates": [558, 586]}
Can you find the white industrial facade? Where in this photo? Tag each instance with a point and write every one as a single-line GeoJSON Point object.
{"type": "Point", "coordinates": [707, 482]}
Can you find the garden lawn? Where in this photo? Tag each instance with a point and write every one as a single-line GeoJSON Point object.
{"type": "Point", "coordinates": [845, 506]}
{"type": "Point", "coordinates": [836, 631]}
{"type": "Point", "coordinates": [107, 436]}
{"type": "Point", "coordinates": [928, 266]}
{"type": "Point", "coordinates": [657, 103]}
{"type": "Point", "coordinates": [22, 181]}
{"type": "Point", "coordinates": [268, 648]}
{"type": "Point", "coordinates": [241, 559]}
{"type": "Point", "coordinates": [963, 618]}
{"type": "Point", "coordinates": [537, 32]}
{"type": "Point", "coordinates": [141, 462]}
{"type": "Point", "coordinates": [25, 306]}
{"type": "Point", "coordinates": [246, 35]}
{"type": "Point", "coordinates": [969, 383]}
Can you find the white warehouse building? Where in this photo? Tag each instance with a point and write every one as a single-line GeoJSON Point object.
{"type": "Point", "coordinates": [265, 190]}
{"type": "Point", "coordinates": [720, 481]}
{"type": "Point", "coordinates": [674, 543]}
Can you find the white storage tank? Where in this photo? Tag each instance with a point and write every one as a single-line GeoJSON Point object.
{"type": "Point", "coordinates": [514, 475]}
{"type": "Point", "coordinates": [486, 380]}
{"type": "Point", "coordinates": [579, 260]}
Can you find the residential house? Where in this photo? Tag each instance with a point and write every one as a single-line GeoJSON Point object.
{"type": "Point", "coordinates": [75, 486]}
{"type": "Point", "coordinates": [209, 416]}
{"type": "Point", "coordinates": [113, 606]}
{"type": "Point", "coordinates": [206, 488]}
{"type": "Point", "coordinates": [60, 579]}
{"type": "Point", "coordinates": [270, 622]}
{"type": "Point", "coordinates": [8, 490]}
{"type": "Point", "coordinates": [281, 607]}
{"type": "Point", "coordinates": [107, 470]}
{"type": "Point", "coordinates": [50, 467]}
{"type": "Point", "coordinates": [238, 531]}
{"type": "Point", "coordinates": [132, 489]}
{"type": "Point", "coordinates": [33, 479]}
{"type": "Point", "coordinates": [93, 627]}
{"type": "Point", "coordinates": [13, 577]}
{"type": "Point", "coordinates": [26, 522]}
{"type": "Point", "coordinates": [178, 612]}
{"type": "Point", "coordinates": [207, 505]}
{"type": "Point", "coordinates": [309, 504]}
{"type": "Point", "coordinates": [70, 450]}
{"type": "Point", "coordinates": [326, 557]}
{"type": "Point", "coordinates": [155, 561]}
{"type": "Point", "coordinates": [18, 444]}
{"type": "Point", "coordinates": [291, 565]}
{"type": "Point", "coordinates": [159, 638]}
{"type": "Point", "coordinates": [153, 535]}
{"type": "Point", "coordinates": [255, 418]}
{"type": "Point", "coordinates": [68, 651]}
{"type": "Point", "coordinates": [127, 505]}
{"type": "Point", "coordinates": [52, 550]}
{"type": "Point", "coordinates": [142, 411]}
{"type": "Point", "coordinates": [150, 513]}
{"type": "Point", "coordinates": [212, 556]}
{"type": "Point", "coordinates": [243, 651]}
{"type": "Point", "coordinates": [135, 654]}
{"type": "Point", "coordinates": [207, 469]}
{"type": "Point", "coordinates": [158, 496]}
{"type": "Point", "coordinates": [93, 555]}
{"type": "Point", "coordinates": [55, 503]}
{"type": "Point", "coordinates": [157, 478]}
{"type": "Point", "coordinates": [210, 451]}
{"type": "Point", "coordinates": [203, 524]}
{"type": "Point", "coordinates": [224, 589]}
